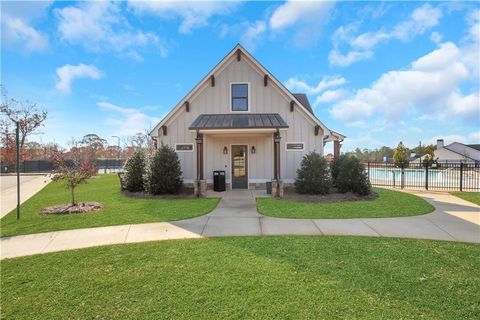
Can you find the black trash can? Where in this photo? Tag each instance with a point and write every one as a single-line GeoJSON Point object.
{"type": "Point", "coordinates": [218, 180]}
{"type": "Point", "coordinates": [269, 187]}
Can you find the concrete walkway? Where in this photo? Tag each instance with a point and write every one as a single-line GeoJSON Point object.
{"type": "Point", "coordinates": [29, 185]}
{"type": "Point", "coordinates": [453, 220]}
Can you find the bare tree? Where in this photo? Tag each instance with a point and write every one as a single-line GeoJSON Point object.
{"type": "Point", "coordinates": [28, 115]}
{"type": "Point", "coordinates": [94, 144]}
{"type": "Point", "coordinates": [140, 140]}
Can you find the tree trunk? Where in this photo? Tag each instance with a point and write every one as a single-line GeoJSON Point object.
{"type": "Point", "coordinates": [73, 196]}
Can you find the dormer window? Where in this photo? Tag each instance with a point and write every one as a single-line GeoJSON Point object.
{"type": "Point", "coordinates": [239, 92]}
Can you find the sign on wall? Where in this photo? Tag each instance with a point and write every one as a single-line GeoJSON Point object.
{"type": "Point", "coordinates": [294, 146]}
{"type": "Point", "coordinates": [184, 147]}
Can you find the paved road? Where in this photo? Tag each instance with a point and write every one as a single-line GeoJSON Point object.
{"type": "Point", "coordinates": [453, 220]}
{"type": "Point", "coordinates": [29, 185]}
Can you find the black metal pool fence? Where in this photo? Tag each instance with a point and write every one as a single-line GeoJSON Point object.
{"type": "Point", "coordinates": [45, 166]}
{"type": "Point", "coordinates": [461, 176]}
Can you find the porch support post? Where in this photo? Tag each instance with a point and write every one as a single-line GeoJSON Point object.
{"type": "Point", "coordinates": [278, 183]}
{"type": "Point", "coordinates": [336, 148]}
{"type": "Point", "coordinates": [276, 155]}
{"type": "Point", "coordinates": [200, 185]}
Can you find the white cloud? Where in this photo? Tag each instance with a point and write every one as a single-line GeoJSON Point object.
{"type": "Point", "coordinates": [308, 17]}
{"type": "Point", "coordinates": [294, 84]}
{"type": "Point", "coordinates": [292, 12]}
{"type": "Point", "coordinates": [17, 19]}
{"type": "Point", "coordinates": [337, 59]}
{"type": "Point", "coordinates": [127, 121]}
{"type": "Point", "coordinates": [253, 34]}
{"type": "Point", "coordinates": [330, 96]}
{"type": "Point", "coordinates": [68, 73]}
{"type": "Point", "coordinates": [474, 136]}
{"type": "Point", "coordinates": [431, 86]}
{"type": "Point", "coordinates": [361, 46]}
{"type": "Point", "coordinates": [194, 14]}
{"type": "Point", "coordinates": [99, 25]}
{"type": "Point", "coordinates": [436, 37]}
{"type": "Point", "coordinates": [447, 139]}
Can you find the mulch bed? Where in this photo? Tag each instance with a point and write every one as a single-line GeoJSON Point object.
{"type": "Point", "coordinates": [185, 193]}
{"type": "Point", "coordinates": [333, 196]}
{"type": "Point", "coordinates": [80, 207]}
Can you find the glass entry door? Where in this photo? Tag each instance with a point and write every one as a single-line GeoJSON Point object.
{"type": "Point", "coordinates": [239, 167]}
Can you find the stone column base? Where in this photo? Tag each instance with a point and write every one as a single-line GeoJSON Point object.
{"type": "Point", "coordinates": [200, 188]}
{"type": "Point", "coordinates": [277, 188]}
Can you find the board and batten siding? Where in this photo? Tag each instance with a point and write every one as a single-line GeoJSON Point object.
{"type": "Point", "coordinates": [216, 100]}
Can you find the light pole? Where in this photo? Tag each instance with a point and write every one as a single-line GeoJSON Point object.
{"type": "Point", "coordinates": [118, 150]}
{"type": "Point", "coordinates": [17, 142]}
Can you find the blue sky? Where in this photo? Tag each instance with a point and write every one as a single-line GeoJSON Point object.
{"type": "Point", "coordinates": [378, 72]}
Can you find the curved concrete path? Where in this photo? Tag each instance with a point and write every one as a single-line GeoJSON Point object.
{"type": "Point", "coordinates": [30, 184]}
{"type": "Point", "coordinates": [453, 220]}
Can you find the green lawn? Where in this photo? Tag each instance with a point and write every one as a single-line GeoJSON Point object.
{"type": "Point", "coordinates": [118, 209]}
{"type": "Point", "coordinates": [473, 197]}
{"type": "Point", "coordinates": [390, 203]}
{"type": "Point", "coordinates": [248, 277]}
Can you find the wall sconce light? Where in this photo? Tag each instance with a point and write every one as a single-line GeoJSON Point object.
{"type": "Point", "coordinates": [252, 151]}
{"type": "Point", "coordinates": [225, 150]}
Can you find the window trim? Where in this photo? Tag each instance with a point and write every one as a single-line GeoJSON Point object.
{"type": "Point", "coordinates": [192, 144]}
{"type": "Point", "coordinates": [291, 150]}
{"type": "Point", "coordinates": [249, 106]}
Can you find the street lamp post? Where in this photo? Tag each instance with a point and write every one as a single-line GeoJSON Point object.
{"type": "Point", "coordinates": [17, 142]}
{"type": "Point", "coordinates": [118, 149]}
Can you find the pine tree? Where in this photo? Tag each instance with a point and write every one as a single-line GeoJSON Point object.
{"type": "Point", "coordinates": [313, 175]}
{"type": "Point", "coordinates": [164, 174]}
{"type": "Point", "coordinates": [134, 171]}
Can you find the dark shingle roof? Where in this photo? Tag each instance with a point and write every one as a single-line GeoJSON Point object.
{"type": "Point", "coordinates": [302, 98]}
{"type": "Point", "coordinates": [474, 146]}
{"type": "Point", "coordinates": [238, 121]}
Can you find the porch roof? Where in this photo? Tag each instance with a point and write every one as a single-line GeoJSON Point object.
{"type": "Point", "coordinates": [238, 121]}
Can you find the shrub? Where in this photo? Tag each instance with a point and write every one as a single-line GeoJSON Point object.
{"type": "Point", "coordinates": [350, 176]}
{"type": "Point", "coordinates": [134, 172]}
{"type": "Point", "coordinates": [313, 175]}
{"type": "Point", "coordinates": [164, 174]}
{"type": "Point", "coordinates": [335, 167]}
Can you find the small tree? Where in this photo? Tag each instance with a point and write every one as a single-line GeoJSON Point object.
{"type": "Point", "coordinates": [73, 175]}
{"type": "Point", "coordinates": [313, 175]}
{"type": "Point", "coordinates": [134, 171]}
{"type": "Point", "coordinates": [351, 176]}
{"type": "Point", "coordinates": [164, 174]}
{"type": "Point", "coordinates": [400, 156]}
{"type": "Point", "coordinates": [429, 157]}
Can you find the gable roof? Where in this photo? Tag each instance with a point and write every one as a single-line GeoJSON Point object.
{"type": "Point", "coordinates": [474, 146]}
{"type": "Point", "coordinates": [302, 98]}
{"type": "Point", "coordinates": [219, 66]}
{"type": "Point", "coordinates": [459, 153]}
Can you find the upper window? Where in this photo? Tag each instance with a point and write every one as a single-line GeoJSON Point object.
{"type": "Point", "coordinates": [239, 97]}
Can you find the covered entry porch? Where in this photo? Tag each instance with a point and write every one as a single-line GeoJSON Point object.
{"type": "Point", "coordinates": [245, 146]}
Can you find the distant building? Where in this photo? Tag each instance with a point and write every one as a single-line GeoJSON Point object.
{"type": "Point", "coordinates": [455, 151]}
{"type": "Point", "coordinates": [329, 157]}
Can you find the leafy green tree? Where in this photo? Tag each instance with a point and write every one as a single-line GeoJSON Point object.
{"type": "Point", "coordinates": [313, 175]}
{"type": "Point", "coordinates": [401, 156]}
{"type": "Point", "coordinates": [134, 171]}
{"type": "Point", "coordinates": [429, 158]}
{"type": "Point", "coordinates": [164, 174]}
